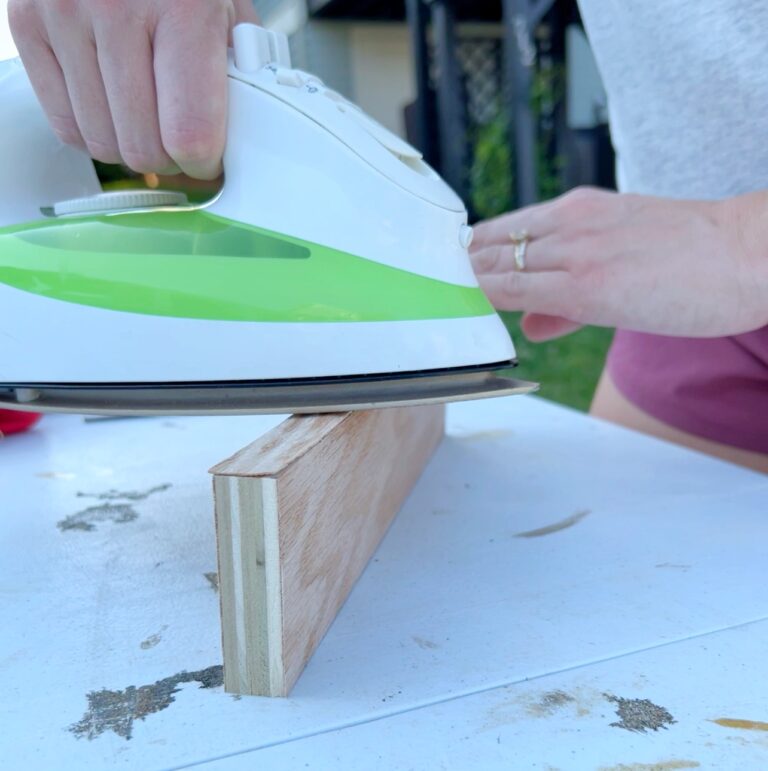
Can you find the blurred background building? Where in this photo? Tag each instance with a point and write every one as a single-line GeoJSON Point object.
{"type": "Point", "coordinates": [7, 48]}
{"type": "Point", "coordinates": [503, 98]}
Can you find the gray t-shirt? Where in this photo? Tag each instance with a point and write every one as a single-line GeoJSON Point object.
{"type": "Point", "coordinates": [687, 84]}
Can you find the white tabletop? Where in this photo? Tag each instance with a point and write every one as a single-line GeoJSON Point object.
{"type": "Point", "coordinates": [556, 593]}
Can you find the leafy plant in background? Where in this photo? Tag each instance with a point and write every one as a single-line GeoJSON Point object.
{"type": "Point", "coordinates": [491, 177]}
{"type": "Point", "coordinates": [492, 184]}
{"type": "Point", "coordinates": [547, 94]}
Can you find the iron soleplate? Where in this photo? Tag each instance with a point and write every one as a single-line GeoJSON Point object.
{"type": "Point", "coordinates": [311, 395]}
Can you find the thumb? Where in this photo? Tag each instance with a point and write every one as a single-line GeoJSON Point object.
{"type": "Point", "coordinates": [539, 327]}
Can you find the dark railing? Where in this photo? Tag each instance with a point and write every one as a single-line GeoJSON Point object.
{"type": "Point", "coordinates": [520, 18]}
{"type": "Point", "coordinates": [512, 77]}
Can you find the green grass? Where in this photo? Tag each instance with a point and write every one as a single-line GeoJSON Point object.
{"type": "Point", "coordinates": [568, 368]}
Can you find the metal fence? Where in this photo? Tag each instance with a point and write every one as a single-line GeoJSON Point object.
{"type": "Point", "coordinates": [491, 107]}
{"type": "Point", "coordinates": [480, 62]}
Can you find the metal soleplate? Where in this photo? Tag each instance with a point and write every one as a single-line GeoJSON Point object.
{"type": "Point", "coordinates": [315, 395]}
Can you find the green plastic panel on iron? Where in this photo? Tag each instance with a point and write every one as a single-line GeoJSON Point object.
{"type": "Point", "coordinates": [193, 264]}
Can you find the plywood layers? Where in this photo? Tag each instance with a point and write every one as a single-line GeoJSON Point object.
{"type": "Point", "coordinates": [298, 514]}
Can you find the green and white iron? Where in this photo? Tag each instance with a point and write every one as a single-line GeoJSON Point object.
{"type": "Point", "coordinates": [330, 273]}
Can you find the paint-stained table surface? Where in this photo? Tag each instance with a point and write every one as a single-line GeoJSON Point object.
{"type": "Point", "coordinates": [557, 593]}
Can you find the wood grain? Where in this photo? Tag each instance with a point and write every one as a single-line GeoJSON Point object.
{"type": "Point", "coordinates": [298, 515]}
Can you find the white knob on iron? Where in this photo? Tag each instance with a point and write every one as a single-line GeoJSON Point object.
{"type": "Point", "coordinates": [281, 51]}
{"type": "Point", "coordinates": [466, 234]}
{"type": "Point", "coordinates": [255, 47]}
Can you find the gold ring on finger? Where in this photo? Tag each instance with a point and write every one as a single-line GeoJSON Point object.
{"type": "Point", "coordinates": [520, 240]}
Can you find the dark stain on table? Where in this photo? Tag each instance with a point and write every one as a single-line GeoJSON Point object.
{"type": "Point", "coordinates": [119, 510]}
{"type": "Point", "coordinates": [213, 580]}
{"type": "Point", "coordinates": [555, 527]}
{"type": "Point", "coordinates": [126, 495]}
{"type": "Point", "coordinates": [120, 513]}
{"type": "Point", "coordinates": [550, 702]}
{"type": "Point", "coordinates": [118, 710]}
{"type": "Point", "coordinates": [639, 715]}
{"type": "Point", "coordinates": [153, 639]}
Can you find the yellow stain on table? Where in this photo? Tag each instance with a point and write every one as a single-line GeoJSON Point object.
{"type": "Point", "coordinates": [475, 436]}
{"type": "Point", "coordinates": [663, 765]}
{"type": "Point", "coordinates": [748, 725]}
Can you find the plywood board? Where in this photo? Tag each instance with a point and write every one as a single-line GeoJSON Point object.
{"type": "Point", "coordinates": [298, 515]}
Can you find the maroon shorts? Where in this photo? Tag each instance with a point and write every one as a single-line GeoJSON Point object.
{"type": "Point", "coordinates": [716, 388]}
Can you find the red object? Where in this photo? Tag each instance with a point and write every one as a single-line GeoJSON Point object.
{"type": "Point", "coordinates": [12, 422]}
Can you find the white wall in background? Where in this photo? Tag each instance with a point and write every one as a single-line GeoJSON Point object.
{"type": "Point", "coordinates": [370, 63]}
{"type": "Point", "coordinates": [286, 17]}
{"type": "Point", "coordinates": [7, 48]}
{"type": "Point", "coordinates": [382, 71]}
{"type": "Point", "coordinates": [586, 100]}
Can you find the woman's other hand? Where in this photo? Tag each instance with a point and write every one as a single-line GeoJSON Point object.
{"type": "Point", "coordinates": [684, 268]}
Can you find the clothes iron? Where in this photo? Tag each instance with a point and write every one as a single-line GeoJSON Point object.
{"type": "Point", "coordinates": [330, 273]}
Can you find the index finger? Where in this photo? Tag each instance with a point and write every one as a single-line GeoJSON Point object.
{"type": "Point", "coordinates": [536, 220]}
